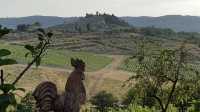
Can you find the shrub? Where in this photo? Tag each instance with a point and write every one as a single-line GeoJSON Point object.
{"type": "Point", "coordinates": [130, 97]}
{"type": "Point", "coordinates": [27, 104]}
{"type": "Point", "coordinates": [133, 108]}
{"type": "Point", "coordinates": [103, 101]}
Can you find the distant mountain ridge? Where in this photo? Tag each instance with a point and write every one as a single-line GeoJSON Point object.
{"type": "Point", "coordinates": [175, 22]}
{"type": "Point", "coordinates": [46, 21]}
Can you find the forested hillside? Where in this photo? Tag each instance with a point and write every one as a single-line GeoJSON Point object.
{"type": "Point", "coordinates": [175, 22]}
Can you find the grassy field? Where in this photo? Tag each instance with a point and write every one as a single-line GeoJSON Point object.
{"type": "Point", "coordinates": [60, 58]}
{"type": "Point", "coordinates": [56, 60]}
{"type": "Point", "coordinates": [35, 76]}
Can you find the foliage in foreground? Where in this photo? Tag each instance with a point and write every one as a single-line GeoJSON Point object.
{"type": "Point", "coordinates": [166, 78]}
{"type": "Point", "coordinates": [7, 90]}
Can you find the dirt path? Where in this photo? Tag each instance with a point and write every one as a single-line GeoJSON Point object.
{"type": "Point", "coordinates": [111, 71]}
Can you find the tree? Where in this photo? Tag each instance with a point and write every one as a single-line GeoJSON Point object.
{"type": "Point", "coordinates": [23, 27]}
{"type": "Point", "coordinates": [35, 26]}
{"type": "Point", "coordinates": [3, 31]}
{"type": "Point", "coordinates": [160, 76]}
{"type": "Point", "coordinates": [80, 30]}
{"type": "Point", "coordinates": [88, 27]}
{"type": "Point", "coordinates": [97, 13]}
{"type": "Point", "coordinates": [153, 31]}
{"type": "Point", "coordinates": [38, 24]}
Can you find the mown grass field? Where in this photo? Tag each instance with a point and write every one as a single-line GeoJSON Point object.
{"type": "Point", "coordinates": [60, 58]}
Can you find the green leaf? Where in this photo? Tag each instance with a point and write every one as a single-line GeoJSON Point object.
{"type": "Point", "coordinates": [39, 46]}
{"type": "Point", "coordinates": [4, 98]}
{"type": "Point", "coordinates": [3, 31]}
{"type": "Point", "coordinates": [7, 87]}
{"type": "Point", "coordinates": [49, 34]}
{"type": "Point", "coordinates": [4, 52]}
{"type": "Point", "coordinates": [12, 99]}
{"type": "Point", "coordinates": [20, 89]}
{"type": "Point", "coordinates": [40, 37]}
{"type": "Point", "coordinates": [41, 30]}
{"type": "Point", "coordinates": [4, 101]}
{"type": "Point", "coordinates": [7, 62]}
{"type": "Point", "coordinates": [30, 48]}
{"type": "Point", "coordinates": [26, 55]}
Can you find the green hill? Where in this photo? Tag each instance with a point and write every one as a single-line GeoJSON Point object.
{"type": "Point", "coordinates": [93, 23]}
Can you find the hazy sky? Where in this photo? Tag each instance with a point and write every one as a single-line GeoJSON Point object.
{"type": "Point", "coordinates": [66, 8]}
